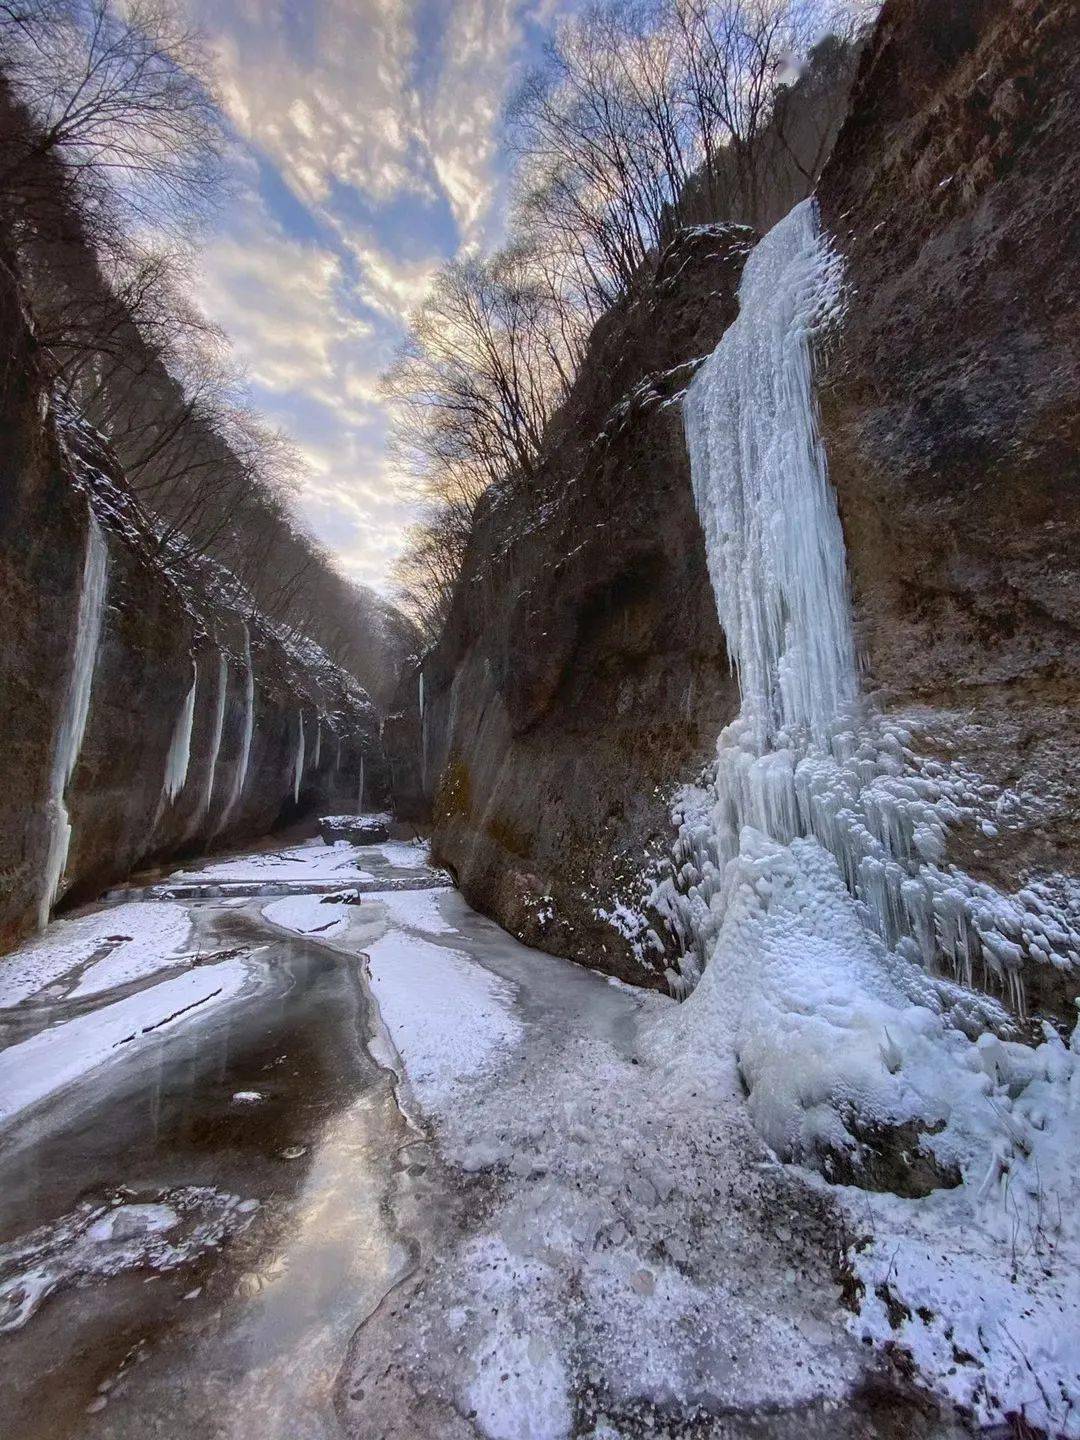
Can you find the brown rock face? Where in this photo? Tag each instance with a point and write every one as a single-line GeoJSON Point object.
{"type": "Point", "coordinates": [583, 673]}
{"type": "Point", "coordinates": [950, 407]}
{"type": "Point", "coordinates": [158, 631]}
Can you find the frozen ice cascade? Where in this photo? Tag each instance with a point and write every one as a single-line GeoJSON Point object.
{"type": "Point", "coordinates": [827, 942]}
{"type": "Point", "coordinates": [360, 795]}
{"type": "Point", "coordinates": [179, 756]}
{"type": "Point", "coordinates": [205, 799]}
{"type": "Point", "coordinates": [72, 728]}
{"type": "Point", "coordinates": [240, 775]}
{"type": "Point", "coordinates": [298, 763]}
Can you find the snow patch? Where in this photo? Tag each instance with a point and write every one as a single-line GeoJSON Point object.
{"type": "Point", "coordinates": [450, 1019]}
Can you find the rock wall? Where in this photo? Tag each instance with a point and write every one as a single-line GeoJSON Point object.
{"type": "Point", "coordinates": [583, 673]}
{"type": "Point", "coordinates": [950, 415]}
{"type": "Point", "coordinates": [160, 631]}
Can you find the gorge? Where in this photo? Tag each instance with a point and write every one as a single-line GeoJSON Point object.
{"type": "Point", "coordinates": [673, 1031]}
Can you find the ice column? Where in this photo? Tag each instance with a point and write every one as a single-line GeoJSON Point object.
{"type": "Point", "coordinates": [69, 736]}
{"type": "Point", "coordinates": [240, 777]}
{"type": "Point", "coordinates": [203, 808]}
{"type": "Point", "coordinates": [179, 756]}
{"type": "Point", "coordinates": [773, 538]}
{"type": "Point", "coordinates": [298, 764]}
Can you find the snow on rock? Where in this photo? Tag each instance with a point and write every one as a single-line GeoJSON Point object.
{"type": "Point", "coordinates": [307, 914]}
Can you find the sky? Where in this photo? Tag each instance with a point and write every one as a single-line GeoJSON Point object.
{"type": "Point", "coordinates": [366, 154]}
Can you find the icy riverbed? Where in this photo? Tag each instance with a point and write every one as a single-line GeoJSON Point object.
{"type": "Point", "coordinates": [401, 1176]}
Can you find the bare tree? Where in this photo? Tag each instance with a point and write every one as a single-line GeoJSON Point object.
{"type": "Point", "coordinates": [124, 95]}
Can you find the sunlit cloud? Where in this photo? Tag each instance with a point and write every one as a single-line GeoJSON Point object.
{"type": "Point", "coordinates": [368, 153]}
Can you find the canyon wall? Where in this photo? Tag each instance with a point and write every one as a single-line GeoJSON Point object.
{"type": "Point", "coordinates": [583, 670]}
{"type": "Point", "coordinates": [182, 731]}
{"type": "Point", "coordinates": [583, 675]}
{"type": "Point", "coordinates": [950, 415]}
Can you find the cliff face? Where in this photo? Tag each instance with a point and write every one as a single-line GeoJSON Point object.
{"type": "Point", "coordinates": [950, 410]}
{"type": "Point", "coordinates": [228, 753]}
{"type": "Point", "coordinates": [583, 673]}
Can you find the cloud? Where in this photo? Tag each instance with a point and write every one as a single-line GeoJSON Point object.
{"type": "Point", "coordinates": [367, 134]}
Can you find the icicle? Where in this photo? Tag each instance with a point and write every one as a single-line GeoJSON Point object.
{"type": "Point", "coordinates": [316, 754]}
{"type": "Point", "coordinates": [69, 736]}
{"type": "Point", "coordinates": [240, 776]}
{"type": "Point", "coordinates": [205, 799]}
{"type": "Point", "coordinates": [360, 797]}
{"type": "Point", "coordinates": [298, 764]}
{"type": "Point", "coordinates": [179, 756]}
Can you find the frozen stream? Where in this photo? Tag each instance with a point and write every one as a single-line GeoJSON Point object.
{"type": "Point", "coordinates": [343, 1158]}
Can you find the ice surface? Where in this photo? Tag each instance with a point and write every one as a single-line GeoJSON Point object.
{"type": "Point", "coordinates": [130, 941]}
{"type": "Point", "coordinates": [625, 1241]}
{"type": "Point", "coordinates": [99, 1240]}
{"type": "Point", "coordinates": [403, 854]}
{"type": "Point", "coordinates": [414, 909]}
{"type": "Point", "coordinates": [72, 728]}
{"type": "Point", "coordinates": [56, 1057]}
{"type": "Point", "coordinates": [310, 861]}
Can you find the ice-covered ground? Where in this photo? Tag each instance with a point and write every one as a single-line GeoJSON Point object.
{"type": "Point", "coordinates": [609, 1246]}
{"type": "Point", "coordinates": [638, 1252]}
{"type": "Point", "coordinates": [57, 1057]}
{"type": "Point", "coordinates": [630, 1248]}
{"type": "Point", "coordinates": [94, 951]}
{"type": "Point", "coordinates": [298, 864]}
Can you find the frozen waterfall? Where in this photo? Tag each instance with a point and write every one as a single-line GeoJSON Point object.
{"type": "Point", "coordinates": [298, 763]}
{"type": "Point", "coordinates": [240, 776]}
{"type": "Point", "coordinates": [772, 533]}
{"type": "Point", "coordinates": [179, 756]}
{"type": "Point", "coordinates": [806, 758]}
{"type": "Point", "coordinates": [207, 795]}
{"type": "Point", "coordinates": [811, 890]}
{"type": "Point", "coordinates": [69, 736]}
